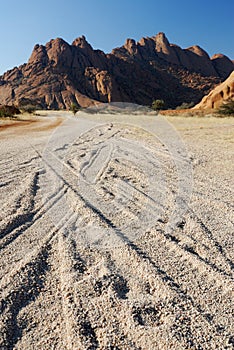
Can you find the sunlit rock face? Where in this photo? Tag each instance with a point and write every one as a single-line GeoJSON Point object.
{"type": "Point", "coordinates": [58, 74]}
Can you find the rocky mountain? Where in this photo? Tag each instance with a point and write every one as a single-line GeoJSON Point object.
{"type": "Point", "coordinates": [58, 74]}
{"type": "Point", "coordinates": [220, 94]}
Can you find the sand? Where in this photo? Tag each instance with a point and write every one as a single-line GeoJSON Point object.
{"type": "Point", "coordinates": [115, 237]}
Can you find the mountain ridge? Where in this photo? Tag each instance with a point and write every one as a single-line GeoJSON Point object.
{"type": "Point", "coordinates": [58, 74]}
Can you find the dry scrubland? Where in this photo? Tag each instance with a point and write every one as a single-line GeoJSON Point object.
{"type": "Point", "coordinates": [61, 289]}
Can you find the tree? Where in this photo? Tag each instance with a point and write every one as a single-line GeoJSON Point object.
{"type": "Point", "coordinates": [158, 104]}
{"type": "Point", "coordinates": [74, 108]}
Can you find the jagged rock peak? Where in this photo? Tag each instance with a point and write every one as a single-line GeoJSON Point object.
{"type": "Point", "coordinates": [161, 38]}
{"type": "Point", "coordinates": [159, 44]}
{"type": "Point", "coordinates": [130, 43]}
{"type": "Point", "coordinates": [81, 42]}
{"type": "Point", "coordinates": [218, 55]}
{"type": "Point", "coordinates": [145, 41]}
{"type": "Point", "coordinates": [222, 63]}
{"type": "Point", "coordinates": [131, 46]}
{"type": "Point", "coordinates": [39, 54]}
{"type": "Point", "coordinates": [58, 42]}
{"type": "Point", "coordinates": [198, 51]}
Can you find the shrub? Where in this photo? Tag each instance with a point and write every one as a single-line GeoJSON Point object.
{"type": "Point", "coordinates": [158, 104]}
{"type": "Point", "coordinates": [28, 109]}
{"type": "Point", "coordinates": [27, 105]}
{"type": "Point", "coordinates": [8, 111]}
{"type": "Point", "coordinates": [227, 108]}
{"type": "Point", "coordinates": [74, 108]}
{"type": "Point", "coordinates": [185, 105]}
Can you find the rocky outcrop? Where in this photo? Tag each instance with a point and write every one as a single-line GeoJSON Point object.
{"type": "Point", "coordinates": [222, 64]}
{"type": "Point", "coordinates": [194, 58]}
{"type": "Point", "coordinates": [220, 94]}
{"type": "Point", "coordinates": [58, 74]}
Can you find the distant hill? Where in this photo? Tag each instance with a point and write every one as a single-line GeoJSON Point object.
{"type": "Point", "coordinates": [59, 74]}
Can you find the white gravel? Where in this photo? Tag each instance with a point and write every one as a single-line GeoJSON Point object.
{"type": "Point", "coordinates": [115, 237]}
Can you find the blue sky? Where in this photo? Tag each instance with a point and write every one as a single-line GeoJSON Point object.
{"type": "Point", "coordinates": [106, 24]}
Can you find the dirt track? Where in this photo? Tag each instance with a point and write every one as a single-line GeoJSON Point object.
{"type": "Point", "coordinates": [76, 270]}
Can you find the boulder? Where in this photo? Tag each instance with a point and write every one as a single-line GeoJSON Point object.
{"type": "Point", "coordinates": [221, 93]}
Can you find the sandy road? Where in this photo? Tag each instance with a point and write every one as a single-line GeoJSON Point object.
{"type": "Point", "coordinates": [87, 260]}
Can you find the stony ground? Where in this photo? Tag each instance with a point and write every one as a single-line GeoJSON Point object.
{"type": "Point", "coordinates": [92, 253]}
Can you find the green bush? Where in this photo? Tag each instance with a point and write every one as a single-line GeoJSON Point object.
{"type": "Point", "coordinates": [227, 108]}
{"type": "Point", "coordinates": [8, 111]}
{"type": "Point", "coordinates": [74, 108]}
{"type": "Point", "coordinates": [4, 114]}
{"type": "Point", "coordinates": [158, 104]}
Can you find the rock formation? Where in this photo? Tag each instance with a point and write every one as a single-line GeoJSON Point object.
{"type": "Point", "coordinates": [221, 93]}
{"type": "Point", "coordinates": [58, 74]}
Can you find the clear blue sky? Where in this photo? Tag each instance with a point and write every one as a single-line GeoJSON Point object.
{"type": "Point", "coordinates": [107, 23]}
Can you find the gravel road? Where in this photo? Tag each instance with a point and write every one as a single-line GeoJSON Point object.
{"type": "Point", "coordinates": [116, 232]}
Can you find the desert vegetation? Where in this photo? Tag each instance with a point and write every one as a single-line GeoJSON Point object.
{"type": "Point", "coordinates": [29, 108]}
{"type": "Point", "coordinates": [74, 108]}
{"type": "Point", "coordinates": [8, 111]}
{"type": "Point", "coordinates": [157, 105]}
{"type": "Point", "coordinates": [226, 109]}
{"type": "Point", "coordinates": [185, 105]}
